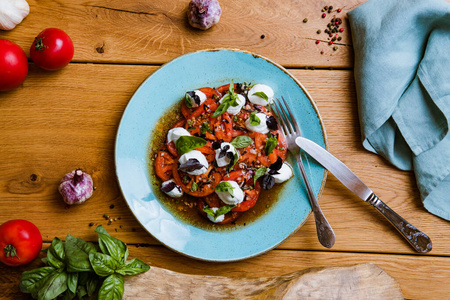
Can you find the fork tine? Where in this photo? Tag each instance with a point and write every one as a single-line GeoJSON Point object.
{"type": "Point", "coordinates": [297, 128]}
{"type": "Point", "coordinates": [279, 117]}
{"type": "Point", "coordinates": [287, 119]}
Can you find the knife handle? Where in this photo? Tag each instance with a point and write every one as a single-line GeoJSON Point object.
{"type": "Point", "coordinates": [419, 240]}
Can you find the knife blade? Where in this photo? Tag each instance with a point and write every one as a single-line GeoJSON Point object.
{"type": "Point", "coordinates": [416, 238]}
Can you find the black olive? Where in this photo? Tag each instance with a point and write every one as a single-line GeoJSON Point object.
{"type": "Point", "coordinates": [230, 154]}
{"type": "Point", "coordinates": [226, 147]}
{"type": "Point", "coordinates": [272, 123]}
{"type": "Point", "coordinates": [216, 145]}
{"type": "Point", "coordinates": [194, 96]}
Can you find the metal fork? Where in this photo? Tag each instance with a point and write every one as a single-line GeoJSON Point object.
{"type": "Point", "coordinates": [291, 130]}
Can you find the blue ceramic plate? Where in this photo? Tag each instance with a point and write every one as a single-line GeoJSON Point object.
{"type": "Point", "coordinates": [164, 88]}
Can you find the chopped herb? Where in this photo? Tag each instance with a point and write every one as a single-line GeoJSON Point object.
{"type": "Point", "coordinates": [205, 127]}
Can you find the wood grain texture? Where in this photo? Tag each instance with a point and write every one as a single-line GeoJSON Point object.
{"type": "Point", "coordinates": [364, 281]}
{"type": "Point", "coordinates": [153, 32]}
{"type": "Point", "coordinates": [419, 277]}
{"type": "Point", "coordinates": [60, 121]}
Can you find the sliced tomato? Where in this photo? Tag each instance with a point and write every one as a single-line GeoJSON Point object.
{"type": "Point", "coordinates": [204, 189]}
{"type": "Point", "coordinates": [164, 163]}
{"type": "Point", "coordinates": [209, 92]}
{"type": "Point", "coordinates": [250, 199]}
{"type": "Point", "coordinates": [223, 127]}
{"type": "Point", "coordinates": [185, 111]}
{"type": "Point", "coordinates": [201, 109]}
{"type": "Point", "coordinates": [172, 149]}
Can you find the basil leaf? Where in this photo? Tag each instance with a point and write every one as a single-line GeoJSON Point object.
{"type": "Point", "coordinates": [260, 172]}
{"type": "Point", "coordinates": [68, 295]}
{"type": "Point", "coordinates": [225, 186]}
{"type": "Point", "coordinates": [133, 267]}
{"type": "Point", "coordinates": [187, 143]}
{"type": "Point", "coordinates": [103, 264]}
{"type": "Point", "coordinates": [267, 182]}
{"type": "Point", "coordinates": [32, 281]}
{"type": "Point", "coordinates": [112, 288]}
{"type": "Point", "coordinates": [83, 277]}
{"type": "Point", "coordinates": [271, 144]}
{"type": "Point", "coordinates": [254, 120]}
{"type": "Point", "coordinates": [224, 209]}
{"type": "Point", "coordinates": [233, 162]}
{"type": "Point", "coordinates": [188, 100]}
{"type": "Point", "coordinates": [190, 165]}
{"type": "Point", "coordinates": [111, 246]}
{"type": "Point", "coordinates": [72, 282]}
{"type": "Point", "coordinates": [81, 292]}
{"type": "Point", "coordinates": [56, 254]}
{"type": "Point", "coordinates": [194, 186]}
{"type": "Point", "coordinates": [92, 284]}
{"type": "Point", "coordinates": [221, 109]}
{"type": "Point", "coordinates": [220, 211]}
{"type": "Point", "coordinates": [241, 141]}
{"type": "Point", "coordinates": [77, 254]}
{"type": "Point", "coordinates": [262, 95]}
{"type": "Point", "coordinates": [55, 285]}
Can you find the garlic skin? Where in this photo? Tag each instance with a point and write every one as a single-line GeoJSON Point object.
{"type": "Point", "coordinates": [12, 12]}
{"type": "Point", "coordinates": [76, 187]}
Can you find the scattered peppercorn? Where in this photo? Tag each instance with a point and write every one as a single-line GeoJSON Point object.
{"type": "Point", "coordinates": [312, 68]}
{"type": "Point", "coordinates": [339, 38]}
{"type": "Point", "coordinates": [321, 52]}
{"type": "Point", "coordinates": [317, 41]}
{"type": "Point", "coordinates": [330, 42]}
{"type": "Point", "coordinates": [339, 10]}
{"type": "Point", "coordinates": [324, 15]}
{"type": "Point", "coordinates": [326, 8]}
{"type": "Point", "coordinates": [341, 29]}
{"type": "Point", "coordinates": [319, 31]}
{"type": "Point", "coordinates": [262, 36]}
{"type": "Point", "coordinates": [111, 206]}
{"type": "Point", "coordinates": [335, 48]}
{"type": "Point", "coordinates": [91, 224]}
{"type": "Point", "coordinates": [305, 20]}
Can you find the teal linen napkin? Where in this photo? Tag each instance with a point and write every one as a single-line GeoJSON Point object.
{"type": "Point", "coordinates": [402, 74]}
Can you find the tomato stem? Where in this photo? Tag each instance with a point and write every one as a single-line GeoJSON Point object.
{"type": "Point", "coordinates": [39, 46]}
{"type": "Point", "coordinates": [10, 251]}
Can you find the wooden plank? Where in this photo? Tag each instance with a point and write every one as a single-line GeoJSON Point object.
{"type": "Point", "coordinates": [420, 277]}
{"type": "Point", "coordinates": [60, 121]}
{"type": "Point", "coordinates": [153, 32]}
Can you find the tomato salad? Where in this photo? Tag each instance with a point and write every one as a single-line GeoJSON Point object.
{"type": "Point", "coordinates": [224, 150]}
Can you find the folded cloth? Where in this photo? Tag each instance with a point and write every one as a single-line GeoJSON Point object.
{"type": "Point", "coordinates": [402, 74]}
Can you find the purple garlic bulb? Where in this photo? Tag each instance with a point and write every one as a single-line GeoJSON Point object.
{"type": "Point", "coordinates": [203, 14]}
{"type": "Point", "coordinates": [76, 187]}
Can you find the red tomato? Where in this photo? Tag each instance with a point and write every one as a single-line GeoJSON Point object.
{"type": "Point", "coordinates": [20, 242]}
{"type": "Point", "coordinates": [52, 49]}
{"type": "Point", "coordinates": [13, 65]}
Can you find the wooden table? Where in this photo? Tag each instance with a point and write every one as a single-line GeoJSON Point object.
{"type": "Point", "coordinates": [58, 121]}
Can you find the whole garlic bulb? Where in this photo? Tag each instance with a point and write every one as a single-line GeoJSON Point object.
{"type": "Point", "coordinates": [76, 187]}
{"type": "Point", "coordinates": [12, 12]}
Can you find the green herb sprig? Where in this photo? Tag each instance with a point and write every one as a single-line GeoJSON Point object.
{"type": "Point", "coordinates": [221, 211]}
{"type": "Point", "coordinates": [75, 268]}
{"type": "Point", "coordinates": [229, 100]}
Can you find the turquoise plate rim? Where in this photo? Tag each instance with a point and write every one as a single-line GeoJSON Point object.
{"type": "Point", "coordinates": [129, 201]}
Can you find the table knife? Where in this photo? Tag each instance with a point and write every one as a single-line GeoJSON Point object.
{"type": "Point", "coordinates": [418, 240]}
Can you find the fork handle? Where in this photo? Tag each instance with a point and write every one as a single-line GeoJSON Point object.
{"type": "Point", "coordinates": [324, 231]}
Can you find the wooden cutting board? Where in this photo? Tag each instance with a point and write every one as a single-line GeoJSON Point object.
{"type": "Point", "coordinates": [365, 281]}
